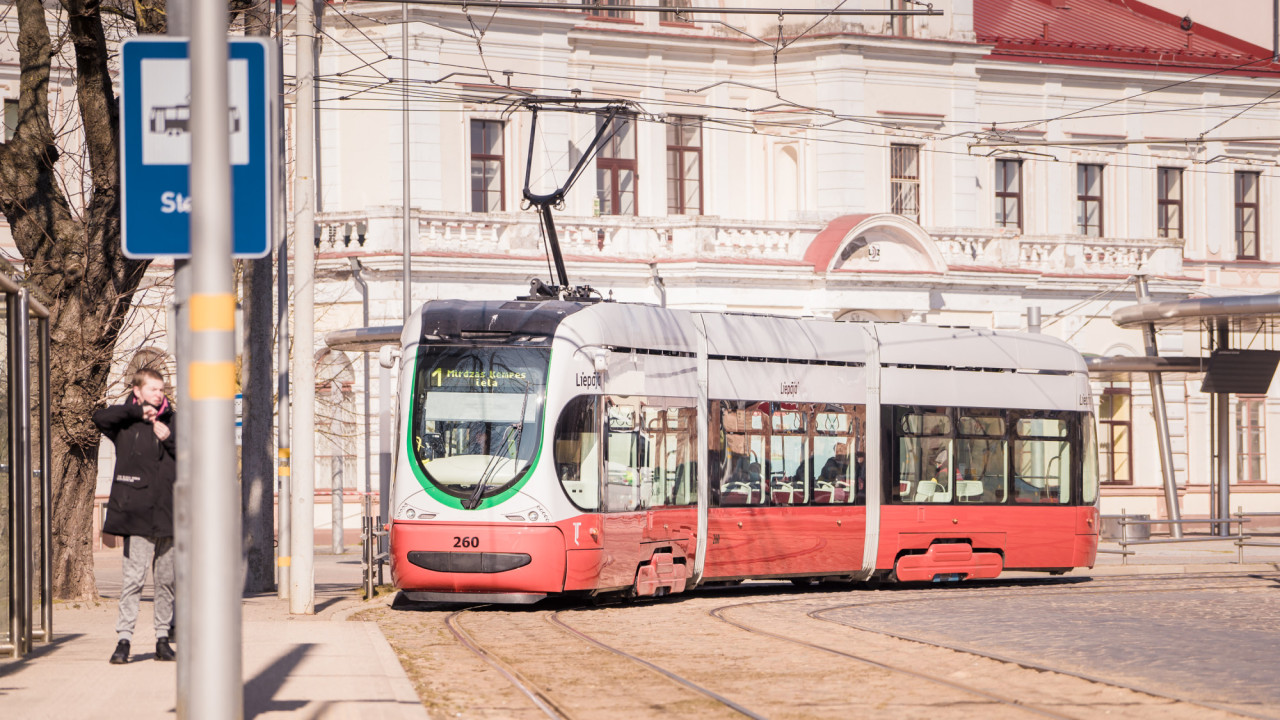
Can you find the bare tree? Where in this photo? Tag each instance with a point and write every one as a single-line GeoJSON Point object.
{"type": "Point", "coordinates": [71, 246]}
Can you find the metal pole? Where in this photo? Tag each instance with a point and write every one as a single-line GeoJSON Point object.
{"type": "Point", "coordinates": [21, 432]}
{"type": "Point", "coordinates": [214, 647]}
{"type": "Point", "coordinates": [1213, 460]}
{"type": "Point", "coordinates": [384, 459]}
{"type": "Point", "coordinates": [301, 575]}
{"type": "Point", "coordinates": [406, 278]}
{"type": "Point", "coordinates": [283, 539]}
{"type": "Point", "coordinates": [46, 487]}
{"type": "Point", "coordinates": [11, 509]}
{"type": "Point", "coordinates": [182, 486]}
{"type": "Point", "coordinates": [357, 275]}
{"type": "Point", "coordinates": [1223, 508]}
{"type": "Point", "coordinates": [1033, 319]}
{"type": "Point", "coordinates": [179, 24]}
{"type": "Point", "coordinates": [1162, 417]}
{"type": "Point", "coordinates": [336, 545]}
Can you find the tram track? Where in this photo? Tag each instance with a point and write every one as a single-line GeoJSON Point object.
{"type": "Point", "coordinates": [544, 703]}
{"type": "Point", "coordinates": [555, 619]}
{"type": "Point", "coordinates": [718, 614]}
{"type": "Point", "coordinates": [1129, 584]}
{"type": "Point", "coordinates": [543, 700]}
{"type": "Point", "coordinates": [552, 679]}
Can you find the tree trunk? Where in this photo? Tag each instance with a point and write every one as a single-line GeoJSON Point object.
{"type": "Point", "coordinates": [257, 487]}
{"type": "Point", "coordinates": [74, 264]}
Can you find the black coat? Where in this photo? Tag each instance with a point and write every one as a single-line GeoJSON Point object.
{"type": "Point", "coordinates": [141, 501]}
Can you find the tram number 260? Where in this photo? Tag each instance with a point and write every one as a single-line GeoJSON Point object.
{"type": "Point", "coordinates": [466, 542]}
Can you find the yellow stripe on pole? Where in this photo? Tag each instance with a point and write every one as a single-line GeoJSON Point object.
{"type": "Point", "coordinates": [213, 380]}
{"type": "Point", "coordinates": [284, 561]}
{"type": "Point", "coordinates": [283, 471]}
{"type": "Point", "coordinates": [213, 312]}
{"type": "Point", "coordinates": [283, 452]}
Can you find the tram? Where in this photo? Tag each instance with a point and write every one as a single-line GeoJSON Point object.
{"type": "Point", "coordinates": [549, 447]}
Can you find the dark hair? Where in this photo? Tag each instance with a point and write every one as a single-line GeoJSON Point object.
{"type": "Point", "coordinates": [141, 376]}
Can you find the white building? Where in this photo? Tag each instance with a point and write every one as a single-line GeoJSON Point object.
{"type": "Point", "coordinates": [953, 169]}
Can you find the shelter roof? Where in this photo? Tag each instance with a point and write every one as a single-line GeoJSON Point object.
{"type": "Point", "coordinates": [1109, 32]}
{"type": "Point", "coordinates": [1239, 311]}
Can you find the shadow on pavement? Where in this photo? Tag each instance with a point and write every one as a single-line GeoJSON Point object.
{"type": "Point", "coordinates": [38, 650]}
{"type": "Point", "coordinates": [259, 691]}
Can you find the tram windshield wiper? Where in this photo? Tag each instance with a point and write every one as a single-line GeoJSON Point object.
{"type": "Point", "coordinates": [510, 439]}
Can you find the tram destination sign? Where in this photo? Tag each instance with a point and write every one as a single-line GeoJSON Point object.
{"type": "Point", "coordinates": [155, 147]}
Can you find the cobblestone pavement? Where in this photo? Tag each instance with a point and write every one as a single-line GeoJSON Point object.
{"type": "Point", "coordinates": [1211, 638]}
{"type": "Point", "coordinates": [1192, 647]}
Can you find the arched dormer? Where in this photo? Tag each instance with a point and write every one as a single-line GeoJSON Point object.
{"type": "Point", "coordinates": [874, 242]}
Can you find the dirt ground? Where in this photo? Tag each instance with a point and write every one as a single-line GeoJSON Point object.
{"type": "Point", "coordinates": [878, 676]}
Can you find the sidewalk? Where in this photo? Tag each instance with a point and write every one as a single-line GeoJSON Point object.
{"type": "Point", "coordinates": [1217, 555]}
{"type": "Point", "coordinates": [321, 667]}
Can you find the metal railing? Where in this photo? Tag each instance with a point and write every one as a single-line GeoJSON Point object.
{"type": "Point", "coordinates": [1241, 540]}
{"type": "Point", "coordinates": [28, 483]}
{"type": "Point", "coordinates": [371, 559]}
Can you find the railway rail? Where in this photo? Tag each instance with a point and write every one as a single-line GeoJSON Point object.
{"type": "Point", "coordinates": [826, 607]}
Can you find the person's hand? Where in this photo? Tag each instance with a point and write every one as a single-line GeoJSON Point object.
{"type": "Point", "coordinates": [161, 430]}
{"type": "Point", "coordinates": [149, 413]}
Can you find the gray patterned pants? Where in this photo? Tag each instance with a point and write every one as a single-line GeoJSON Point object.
{"type": "Point", "coordinates": [139, 552]}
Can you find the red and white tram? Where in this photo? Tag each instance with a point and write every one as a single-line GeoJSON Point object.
{"type": "Point", "coordinates": [555, 447]}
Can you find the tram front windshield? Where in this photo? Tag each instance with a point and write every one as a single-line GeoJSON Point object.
{"type": "Point", "coordinates": [477, 417]}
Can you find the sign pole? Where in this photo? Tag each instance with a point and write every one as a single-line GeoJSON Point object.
{"type": "Point", "coordinates": [214, 648]}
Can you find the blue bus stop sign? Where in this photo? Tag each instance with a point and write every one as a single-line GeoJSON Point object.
{"type": "Point", "coordinates": [155, 147]}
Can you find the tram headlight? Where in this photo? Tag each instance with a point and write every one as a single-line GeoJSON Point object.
{"type": "Point", "coordinates": [533, 515]}
{"type": "Point", "coordinates": [410, 513]}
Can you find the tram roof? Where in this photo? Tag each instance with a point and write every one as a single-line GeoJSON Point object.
{"type": "Point", "coordinates": [919, 344]}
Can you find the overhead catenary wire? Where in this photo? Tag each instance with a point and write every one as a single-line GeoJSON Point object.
{"type": "Point", "coordinates": [882, 126]}
{"type": "Point", "coordinates": [839, 117]}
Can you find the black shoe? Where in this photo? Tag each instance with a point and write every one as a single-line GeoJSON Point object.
{"type": "Point", "coordinates": [163, 651]}
{"type": "Point", "coordinates": [121, 655]}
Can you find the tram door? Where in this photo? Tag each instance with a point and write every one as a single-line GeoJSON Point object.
{"type": "Point", "coordinates": [650, 489]}
{"type": "Point", "coordinates": [785, 488]}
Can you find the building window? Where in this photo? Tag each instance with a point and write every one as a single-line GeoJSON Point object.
{"type": "Point", "coordinates": [616, 167]}
{"type": "Point", "coordinates": [1115, 439]}
{"type": "Point", "coordinates": [1247, 215]}
{"type": "Point", "coordinates": [610, 8]}
{"type": "Point", "coordinates": [904, 180]}
{"type": "Point", "coordinates": [1169, 202]}
{"type": "Point", "coordinates": [1009, 193]}
{"type": "Point", "coordinates": [670, 16]}
{"type": "Point", "coordinates": [903, 24]}
{"type": "Point", "coordinates": [1251, 435]}
{"type": "Point", "coordinates": [684, 166]}
{"type": "Point", "coordinates": [1089, 200]}
{"type": "Point", "coordinates": [10, 119]}
{"type": "Point", "coordinates": [487, 168]}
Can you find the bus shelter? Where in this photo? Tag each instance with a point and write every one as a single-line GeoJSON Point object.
{"type": "Point", "coordinates": [1241, 340]}
{"type": "Point", "coordinates": [25, 485]}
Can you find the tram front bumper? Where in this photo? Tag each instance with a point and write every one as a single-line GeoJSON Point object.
{"type": "Point", "coordinates": [490, 559]}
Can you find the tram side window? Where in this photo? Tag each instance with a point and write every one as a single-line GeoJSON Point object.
{"type": "Point", "coordinates": [925, 467]}
{"type": "Point", "coordinates": [577, 451]}
{"type": "Point", "coordinates": [680, 457]}
{"type": "Point", "coordinates": [670, 455]}
{"type": "Point", "coordinates": [1090, 465]}
{"type": "Point", "coordinates": [628, 477]}
{"type": "Point", "coordinates": [981, 457]}
{"type": "Point", "coordinates": [839, 432]}
{"type": "Point", "coordinates": [738, 466]}
{"type": "Point", "coordinates": [1042, 461]}
{"type": "Point", "coordinates": [788, 476]}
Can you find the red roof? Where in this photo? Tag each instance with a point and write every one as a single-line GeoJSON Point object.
{"type": "Point", "coordinates": [1107, 32]}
